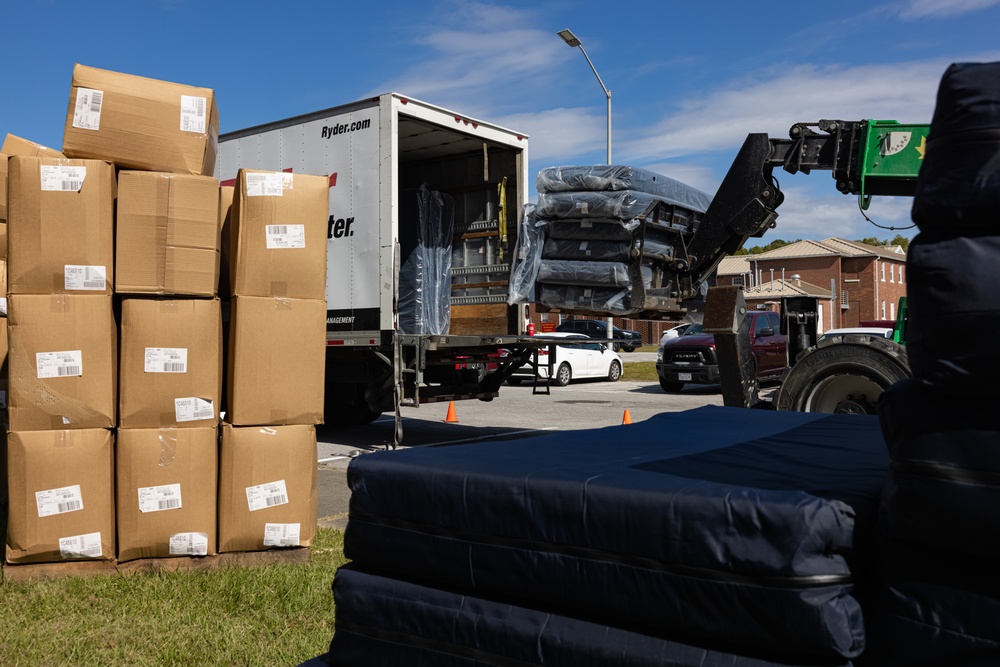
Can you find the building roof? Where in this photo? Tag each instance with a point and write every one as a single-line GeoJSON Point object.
{"type": "Point", "coordinates": [831, 247]}
{"type": "Point", "coordinates": [779, 289]}
{"type": "Point", "coordinates": [733, 265]}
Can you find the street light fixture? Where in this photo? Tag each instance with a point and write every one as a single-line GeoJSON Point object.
{"type": "Point", "coordinates": [574, 41]}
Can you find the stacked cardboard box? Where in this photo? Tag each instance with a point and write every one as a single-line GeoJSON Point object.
{"type": "Point", "coordinates": [65, 405]}
{"type": "Point", "coordinates": [275, 360]}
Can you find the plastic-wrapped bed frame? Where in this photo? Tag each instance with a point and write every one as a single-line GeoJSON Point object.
{"type": "Point", "coordinates": [739, 526]}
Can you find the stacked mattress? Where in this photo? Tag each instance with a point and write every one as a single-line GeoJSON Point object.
{"type": "Point", "coordinates": [718, 536]}
{"type": "Point", "coordinates": [940, 601]}
{"type": "Point", "coordinates": [600, 236]}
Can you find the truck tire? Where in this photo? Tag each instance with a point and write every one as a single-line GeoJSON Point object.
{"type": "Point", "coordinates": [671, 387]}
{"type": "Point", "coordinates": [845, 375]}
{"type": "Point", "coordinates": [351, 405]}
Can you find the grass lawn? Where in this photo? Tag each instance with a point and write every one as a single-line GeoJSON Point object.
{"type": "Point", "coordinates": [266, 616]}
{"type": "Point", "coordinates": [640, 371]}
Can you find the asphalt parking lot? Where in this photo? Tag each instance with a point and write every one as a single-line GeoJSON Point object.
{"type": "Point", "coordinates": [517, 413]}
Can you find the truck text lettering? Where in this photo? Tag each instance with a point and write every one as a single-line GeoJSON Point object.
{"type": "Point", "coordinates": [343, 128]}
{"type": "Point", "coordinates": [340, 320]}
{"type": "Point", "coordinates": [338, 228]}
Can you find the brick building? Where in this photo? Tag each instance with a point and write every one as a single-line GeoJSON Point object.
{"type": "Point", "coordinates": [854, 282]}
{"type": "Point", "coordinates": [860, 282]}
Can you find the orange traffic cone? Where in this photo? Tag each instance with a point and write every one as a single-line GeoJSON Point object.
{"type": "Point", "coordinates": [451, 418]}
{"type": "Point", "coordinates": [626, 418]}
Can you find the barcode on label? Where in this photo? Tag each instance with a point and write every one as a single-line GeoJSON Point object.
{"type": "Point", "coordinates": [277, 229]}
{"type": "Point", "coordinates": [276, 500]}
{"type": "Point", "coordinates": [70, 506]}
{"type": "Point", "coordinates": [96, 97]}
{"type": "Point", "coordinates": [173, 368]}
{"type": "Point", "coordinates": [91, 552]}
{"type": "Point", "coordinates": [93, 284]}
{"type": "Point", "coordinates": [69, 370]}
{"type": "Point", "coordinates": [169, 504]}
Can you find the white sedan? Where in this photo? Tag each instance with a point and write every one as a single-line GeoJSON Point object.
{"type": "Point", "coordinates": [587, 359]}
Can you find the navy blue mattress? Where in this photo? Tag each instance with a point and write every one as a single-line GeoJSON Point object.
{"type": "Point", "coordinates": [740, 526]}
{"type": "Point", "coordinates": [386, 621]}
{"type": "Point", "coordinates": [943, 489]}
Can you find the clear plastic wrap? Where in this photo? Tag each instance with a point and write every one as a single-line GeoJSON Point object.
{"type": "Point", "coordinates": [572, 297]}
{"type": "Point", "coordinates": [588, 229]}
{"type": "Point", "coordinates": [597, 251]}
{"type": "Point", "coordinates": [595, 274]}
{"type": "Point", "coordinates": [620, 177]}
{"type": "Point", "coordinates": [527, 254]}
{"type": "Point", "coordinates": [425, 274]}
{"type": "Point", "coordinates": [622, 205]}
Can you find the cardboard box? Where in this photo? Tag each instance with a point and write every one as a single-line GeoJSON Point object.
{"type": "Point", "coordinates": [267, 487]}
{"type": "Point", "coordinates": [167, 234]}
{"type": "Point", "coordinates": [171, 362]}
{"type": "Point", "coordinates": [279, 235]}
{"type": "Point", "coordinates": [61, 496]}
{"type": "Point", "coordinates": [3, 200]}
{"type": "Point", "coordinates": [60, 226]}
{"type": "Point", "coordinates": [14, 145]}
{"type": "Point", "coordinates": [276, 361]}
{"type": "Point", "coordinates": [166, 483]}
{"type": "Point", "coordinates": [63, 362]}
{"type": "Point", "coordinates": [141, 123]}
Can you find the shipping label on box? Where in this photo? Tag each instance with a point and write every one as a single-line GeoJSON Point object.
{"type": "Point", "coordinates": [63, 362]}
{"type": "Point", "coordinates": [267, 487]}
{"type": "Point", "coordinates": [278, 235]}
{"type": "Point", "coordinates": [166, 483]}
{"type": "Point", "coordinates": [168, 234]}
{"type": "Point", "coordinates": [171, 362]}
{"type": "Point", "coordinates": [61, 496]}
{"type": "Point", "coordinates": [276, 361]}
{"type": "Point", "coordinates": [60, 226]}
{"type": "Point", "coordinates": [141, 123]}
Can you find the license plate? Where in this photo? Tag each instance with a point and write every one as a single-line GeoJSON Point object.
{"type": "Point", "coordinates": [684, 377]}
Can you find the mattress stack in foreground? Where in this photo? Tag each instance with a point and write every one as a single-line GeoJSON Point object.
{"type": "Point", "coordinates": [718, 536]}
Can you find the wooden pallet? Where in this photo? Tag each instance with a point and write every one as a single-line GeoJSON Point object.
{"type": "Point", "coordinates": [43, 571]}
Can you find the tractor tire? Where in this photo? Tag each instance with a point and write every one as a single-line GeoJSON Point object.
{"type": "Point", "coordinates": [842, 375]}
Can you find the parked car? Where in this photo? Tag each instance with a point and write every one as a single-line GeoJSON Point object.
{"type": "Point", "coordinates": [691, 358]}
{"type": "Point", "coordinates": [586, 359]}
{"type": "Point", "coordinates": [624, 339]}
{"type": "Point", "coordinates": [677, 331]}
{"type": "Point", "coordinates": [882, 332]}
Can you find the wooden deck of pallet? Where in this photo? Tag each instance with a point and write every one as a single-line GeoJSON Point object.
{"type": "Point", "coordinates": [42, 571]}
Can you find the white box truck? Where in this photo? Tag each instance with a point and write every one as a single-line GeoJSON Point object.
{"type": "Point", "coordinates": [382, 155]}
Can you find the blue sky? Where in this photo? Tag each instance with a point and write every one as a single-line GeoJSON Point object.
{"type": "Point", "coordinates": [689, 80]}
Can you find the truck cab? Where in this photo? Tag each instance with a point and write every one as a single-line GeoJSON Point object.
{"type": "Point", "coordinates": [692, 358]}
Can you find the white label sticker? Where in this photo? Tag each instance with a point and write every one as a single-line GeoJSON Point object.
{"type": "Point", "coordinates": [166, 360]}
{"type": "Point", "coordinates": [81, 546]}
{"type": "Point", "coordinates": [287, 180]}
{"type": "Point", "coordinates": [281, 534]}
{"type": "Point", "coordinates": [59, 501]}
{"type": "Point", "coordinates": [267, 495]}
{"type": "Point", "coordinates": [194, 112]}
{"type": "Point", "coordinates": [87, 112]}
{"type": "Point", "coordinates": [285, 236]}
{"type": "Point", "coordinates": [264, 185]}
{"type": "Point", "coordinates": [159, 498]}
{"type": "Point", "coordinates": [79, 277]}
{"type": "Point", "coordinates": [55, 178]}
{"type": "Point", "coordinates": [192, 409]}
{"type": "Point", "coordinates": [68, 363]}
{"type": "Point", "coordinates": [189, 544]}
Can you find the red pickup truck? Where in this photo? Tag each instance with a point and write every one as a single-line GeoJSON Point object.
{"type": "Point", "coordinates": [691, 358]}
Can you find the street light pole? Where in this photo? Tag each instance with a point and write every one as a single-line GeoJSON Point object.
{"type": "Point", "coordinates": [574, 41]}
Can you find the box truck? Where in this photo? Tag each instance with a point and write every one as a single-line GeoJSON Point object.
{"type": "Point", "coordinates": [424, 211]}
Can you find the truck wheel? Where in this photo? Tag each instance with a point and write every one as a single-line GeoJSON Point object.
{"type": "Point", "coordinates": [843, 375]}
{"type": "Point", "coordinates": [670, 387]}
{"type": "Point", "coordinates": [350, 405]}
{"type": "Point", "coordinates": [563, 374]}
{"type": "Point", "coordinates": [615, 372]}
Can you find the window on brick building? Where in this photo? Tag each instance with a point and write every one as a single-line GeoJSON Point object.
{"type": "Point", "coordinates": [892, 311]}
{"type": "Point", "coordinates": [883, 271]}
{"type": "Point", "coordinates": [844, 299]}
{"type": "Point", "coordinates": [900, 274]}
{"type": "Point", "coordinates": [883, 310]}
{"type": "Point", "coordinates": [892, 273]}
{"type": "Point", "coordinates": [737, 280]}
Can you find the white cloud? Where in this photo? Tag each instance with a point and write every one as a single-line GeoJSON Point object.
{"type": "Point", "coordinates": [818, 211]}
{"type": "Point", "coordinates": [918, 9]}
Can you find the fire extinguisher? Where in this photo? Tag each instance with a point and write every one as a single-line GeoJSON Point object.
{"type": "Point", "coordinates": [531, 328]}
